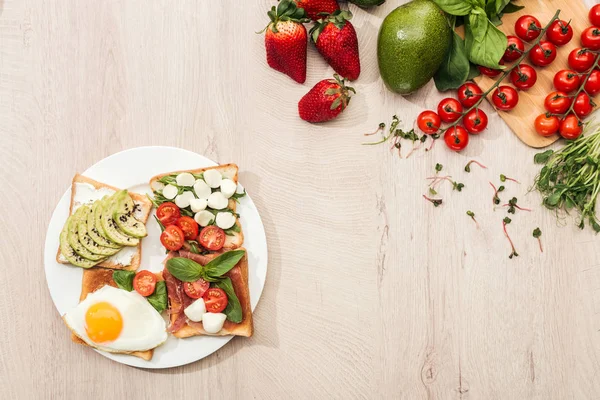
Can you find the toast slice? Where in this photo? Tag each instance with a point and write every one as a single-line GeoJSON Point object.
{"type": "Point", "coordinates": [94, 279]}
{"type": "Point", "coordinates": [115, 261]}
{"type": "Point", "coordinates": [239, 279]}
{"type": "Point", "coordinates": [235, 239]}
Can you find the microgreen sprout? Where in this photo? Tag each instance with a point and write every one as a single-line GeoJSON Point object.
{"type": "Point", "coordinates": [435, 180]}
{"type": "Point", "coordinates": [435, 202]}
{"type": "Point", "coordinates": [468, 166]}
{"type": "Point", "coordinates": [536, 234]}
{"type": "Point", "coordinates": [504, 178]}
{"type": "Point", "coordinates": [379, 129]}
{"type": "Point", "coordinates": [472, 215]}
{"type": "Point", "coordinates": [496, 198]}
{"type": "Point", "coordinates": [513, 253]}
{"type": "Point", "coordinates": [438, 167]}
{"type": "Point", "coordinates": [512, 205]}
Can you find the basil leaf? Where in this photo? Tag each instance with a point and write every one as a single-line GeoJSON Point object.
{"type": "Point", "coordinates": [194, 246]}
{"type": "Point", "coordinates": [124, 279]}
{"type": "Point", "coordinates": [158, 299]}
{"type": "Point", "coordinates": [184, 269]}
{"type": "Point", "coordinates": [473, 71]}
{"type": "Point", "coordinates": [455, 7]}
{"type": "Point", "coordinates": [511, 8]}
{"type": "Point", "coordinates": [454, 71]}
{"type": "Point", "coordinates": [219, 266]}
{"type": "Point", "coordinates": [234, 308]}
{"type": "Point", "coordinates": [488, 51]}
{"type": "Point", "coordinates": [478, 23]}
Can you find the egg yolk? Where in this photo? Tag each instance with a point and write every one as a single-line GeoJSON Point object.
{"type": "Point", "coordinates": [103, 322]}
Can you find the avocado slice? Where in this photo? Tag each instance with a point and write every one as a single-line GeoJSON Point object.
{"type": "Point", "coordinates": [85, 239]}
{"type": "Point", "coordinates": [67, 251]}
{"type": "Point", "coordinates": [73, 239]}
{"type": "Point", "coordinates": [94, 229]}
{"type": "Point", "coordinates": [109, 226]}
{"type": "Point", "coordinates": [123, 216]}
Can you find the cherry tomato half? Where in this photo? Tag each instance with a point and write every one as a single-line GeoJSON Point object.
{"type": "Point", "coordinates": [546, 125]}
{"type": "Point", "coordinates": [592, 85]}
{"type": "Point", "coordinates": [583, 105]}
{"type": "Point", "coordinates": [215, 300]}
{"type": "Point", "coordinates": [456, 138]}
{"type": "Point", "coordinates": [168, 213]}
{"type": "Point", "coordinates": [559, 32]}
{"type": "Point", "coordinates": [429, 122]}
{"type": "Point", "coordinates": [594, 15]}
{"type": "Point", "coordinates": [196, 289]}
{"type": "Point", "coordinates": [505, 98]}
{"type": "Point", "coordinates": [581, 60]}
{"type": "Point", "coordinates": [570, 127]}
{"type": "Point", "coordinates": [469, 94]}
{"type": "Point", "coordinates": [590, 38]}
{"type": "Point", "coordinates": [528, 28]}
{"type": "Point", "coordinates": [212, 238]}
{"type": "Point", "coordinates": [566, 80]}
{"type": "Point", "coordinates": [557, 103]}
{"type": "Point", "coordinates": [449, 109]}
{"type": "Point", "coordinates": [543, 54]}
{"type": "Point", "coordinates": [144, 282]}
{"type": "Point", "coordinates": [514, 48]}
{"type": "Point", "coordinates": [189, 227]}
{"type": "Point", "coordinates": [172, 238]}
{"type": "Point", "coordinates": [523, 77]}
{"type": "Point", "coordinates": [475, 121]}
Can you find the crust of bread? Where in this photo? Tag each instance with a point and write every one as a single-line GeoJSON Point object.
{"type": "Point", "coordinates": [239, 279]}
{"type": "Point", "coordinates": [94, 279]}
{"type": "Point", "coordinates": [136, 197]}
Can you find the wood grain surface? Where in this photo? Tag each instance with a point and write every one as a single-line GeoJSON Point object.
{"type": "Point", "coordinates": [531, 101]}
{"type": "Point", "coordinates": [372, 293]}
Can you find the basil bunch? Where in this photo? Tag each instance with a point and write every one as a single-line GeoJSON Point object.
{"type": "Point", "coordinates": [158, 299]}
{"type": "Point", "coordinates": [187, 270]}
{"type": "Point", "coordinates": [484, 44]}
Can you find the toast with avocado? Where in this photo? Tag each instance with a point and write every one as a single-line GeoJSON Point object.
{"type": "Point", "coordinates": [105, 226]}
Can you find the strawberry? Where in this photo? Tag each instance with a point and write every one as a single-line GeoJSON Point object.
{"type": "Point", "coordinates": [325, 101]}
{"type": "Point", "coordinates": [314, 7]}
{"type": "Point", "coordinates": [335, 38]}
{"type": "Point", "coordinates": [285, 40]}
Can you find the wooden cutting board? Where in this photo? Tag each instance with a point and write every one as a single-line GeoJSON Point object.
{"type": "Point", "coordinates": [531, 102]}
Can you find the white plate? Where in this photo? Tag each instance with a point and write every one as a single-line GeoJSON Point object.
{"type": "Point", "coordinates": [132, 169]}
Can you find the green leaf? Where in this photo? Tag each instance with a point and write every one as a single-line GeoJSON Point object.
{"type": "Point", "coordinates": [455, 69]}
{"type": "Point", "coordinates": [194, 246]}
{"type": "Point", "coordinates": [162, 227]}
{"type": "Point", "coordinates": [222, 264]}
{"type": "Point", "coordinates": [489, 50]}
{"type": "Point", "coordinates": [478, 23]}
{"type": "Point", "coordinates": [455, 7]}
{"type": "Point", "coordinates": [511, 8]}
{"type": "Point", "coordinates": [473, 71]}
{"type": "Point", "coordinates": [234, 308]}
{"type": "Point", "coordinates": [542, 158]}
{"type": "Point", "coordinates": [124, 279]}
{"type": "Point", "coordinates": [184, 269]}
{"type": "Point", "coordinates": [159, 298]}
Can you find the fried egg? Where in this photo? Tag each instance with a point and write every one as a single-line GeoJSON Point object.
{"type": "Point", "coordinates": [115, 320]}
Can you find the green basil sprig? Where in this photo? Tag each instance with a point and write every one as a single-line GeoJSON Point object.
{"type": "Point", "coordinates": [158, 299]}
{"type": "Point", "coordinates": [234, 308]}
{"type": "Point", "coordinates": [124, 279]}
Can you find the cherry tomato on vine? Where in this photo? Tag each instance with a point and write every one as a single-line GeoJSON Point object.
{"type": "Point", "coordinates": [456, 138]}
{"type": "Point", "coordinates": [449, 109]}
{"type": "Point", "coordinates": [489, 71]}
{"type": "Point", "coordinates": [542, 54]}
{"type": "Point", "coordinates": [523, 76]}
{"type": "Point", "coordinates": [583, 105]}
{"type": "Point", "coordinates": [594, 15]}
{"type": "Point", "coordinates": [570, 127]}
{"type": "Point", "coordinates": [592, 85]}
{"type": "Point", "coordinates": [590, 38]}
{"type": "Point", "coordinates": [581, 60]}
{"type": "Point", "coordinates": [559, 32]}
{"type": "Point", "coordinates": [475, 121]}
{"type": "Point", "coordinates": [429, 122]}
{"type": "Point", "coordinates": [469, 94]}
{"type": "Point", "coordinates": [528, 28]}
{"type": "Point", "coordinates": [566, 80]}
{"type": "Point", "coordinates": [514, 48]}
{"type": "Point", "coordinates": [505, 98]}
{"type": "Point", "coordinates": [546, 125]}
{"type": "Point", "coordinates": [557, 102]}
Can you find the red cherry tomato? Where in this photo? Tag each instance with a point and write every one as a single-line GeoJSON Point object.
{"type": "Point", "coordinates": [594, 15]}
{"type": "Point", "coordinates": [566, 80]}
{"type": "Point", "coordinates": [449, 109]}
{"type": "Point", "coordinates": [475, 121]}
{"type": "Point", "coordinates": [172, 238]}
{"type": "Point", "coordinates": [215, 300]}
{"type": "Point", "coordinates": [505, 98]}
{"type": "Point", "coordinates": [583, 105]}
{"type": "Point", "coordinates": [592, 85]}
{"type": "Point", "coordinates": [546, 125]}
{"type": "Point", "coordinates": [560, 32]}
{"type": "Point", "coordinates": [590, 38]}
{"type": "Point", "coordinates": [144, 282]}
{"type": "Point", "coordinates": [189, 227]}
{"type": "Point", "coordinates": [514, 48]}
{"type": "Point", "coordinates": [489, 71]}
{"type": "Point", "coordinates": [429, 122]}
{"type": "Point", "coordinates": [469, 94]}
{"type": "Point", "coordinates": [581, 60]}
{"type": "Point", "coordinates": [528, 28]}
{"type": "Point", "coordinates": [456, 138]}
{"type": "Point", "coordinates": [168, 213]}
{"type": "Point", "coordinates": [557, 103]}
{"type": "Point", "coordinates": [570, 127]}
{"type": "Point", "coordinates": [196, 289]}
{"type": "Point", "coordinates": [212, 238]}
{"type": "Point", "coordinates": [543, 54]}
{"type": "Point", "coordinates": [523, 77]}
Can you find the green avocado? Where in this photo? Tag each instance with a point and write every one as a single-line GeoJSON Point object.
{"type": "Point", "coordinates": [73, 238]}
{"type": "Point", "coordinates": [94, 228]}
{"type": "Point", "coordinates": [82, 215]}
{"type": "Point", "coordinates": [107, 209]}
{"type": "Point", "coordinates": [412, 44]}
{"type": "Point", "coordinates": [67, 251]}
{"type": "Point", "coordinates": [367, 3]}
{"type": "Point", "coordinates": [123, 216]}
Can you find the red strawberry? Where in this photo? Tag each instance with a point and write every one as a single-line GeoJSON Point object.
{"type": "Point", "coordinates": [285, 40]}
{"type": "Point", "coordinates": [325, 101]}
{"type": "Point", "coordinates": [336, 40]}
{"type": "Point", "coordinates": [314, 7]}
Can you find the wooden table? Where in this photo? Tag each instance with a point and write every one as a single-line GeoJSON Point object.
{"type": "Point", "coordinates": [371, 291]}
